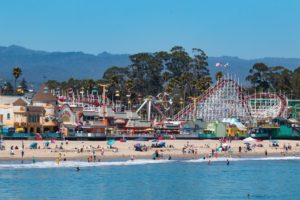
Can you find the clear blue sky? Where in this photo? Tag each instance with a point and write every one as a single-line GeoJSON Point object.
{"type": "Point", "coordinates": [244, 28]}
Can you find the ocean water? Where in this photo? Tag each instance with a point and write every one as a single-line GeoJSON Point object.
{"type": "Point", "coordinates": [261, 178]}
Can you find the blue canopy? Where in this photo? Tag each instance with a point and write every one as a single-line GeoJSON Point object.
{"type": "Point", "coordinates": [33, 145]}
{"type": "Point", "coordinates": [141, 139]}
{"type": "Point", "coordinates": [110, 142]}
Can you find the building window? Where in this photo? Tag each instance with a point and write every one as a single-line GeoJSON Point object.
{"type": "Point", "coordinates": [8, 116]}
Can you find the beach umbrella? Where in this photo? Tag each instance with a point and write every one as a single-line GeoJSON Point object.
{"type": "Point", "coordinates": [249, 139]}
{"type": "Point", "coordinates": [110, 142]}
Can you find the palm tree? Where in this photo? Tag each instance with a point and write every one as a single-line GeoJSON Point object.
{"type": "Point", "coordinates": [17, 72]}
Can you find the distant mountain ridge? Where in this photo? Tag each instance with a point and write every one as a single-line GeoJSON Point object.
{"type": "Point", "coordinates": [38, 66]}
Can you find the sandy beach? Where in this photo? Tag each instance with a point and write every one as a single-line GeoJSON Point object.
{"type": "Point", "coordinates": [81, 150]}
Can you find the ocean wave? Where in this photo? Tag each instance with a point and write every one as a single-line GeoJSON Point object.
{"type": "Point", "coordinates": [69, 164]}
{"type": "Point", "coordinates": [242, 159]}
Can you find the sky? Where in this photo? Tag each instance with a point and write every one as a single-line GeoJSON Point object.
{"type": "Point", "coordinates": [243, 28]}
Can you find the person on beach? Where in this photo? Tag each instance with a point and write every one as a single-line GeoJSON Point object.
{"type": "Point", "coordinates": [12, 152]}
{"type": "Point", "coordinates": [33, 159]}
{"type": "Point", "coordinates": [266, 153]}
{"type": "Point", "coordinates": [94, 155]}
{"type": "Point", "coordinates": [169, 157]}
{"type": "Point", "coordinates": [156, 154]}
{"type": "Point", "coordinates": [132, 158]}
{"type": "Point", "coordinates": [22, 153]}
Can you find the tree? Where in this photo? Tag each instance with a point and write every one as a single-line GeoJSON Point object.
{"type": "Point", "coordinates": [187, 75]}
{"type": "Point", "coordinates": [258, 77]}
{"type": "Point", "coordinates": [53, 84]}
{"type": "Point", "coordinates": [296, 82]}
{"type": "Point", "coordinates": [146, 73]}
{"type": "Point", "coordinates": [17, 72]}
{"type": "Point", "coordinates": [116, 77]}
{"type": "Point", "coordinates": [280, 79]}
{"type": "Point", "coordinates": [218, 75]}
{"type": "Point", "coordinates": [23, 86]}
{"type": "Point", "coordinates": [7, 89]}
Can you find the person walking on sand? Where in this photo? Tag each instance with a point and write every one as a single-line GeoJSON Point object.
{"type": "Point", "coordinates": [22, 153]}
{"type": "Point", "coordinates": [266, 153]}
{"type": "Point", "coordinates": [132, 158]}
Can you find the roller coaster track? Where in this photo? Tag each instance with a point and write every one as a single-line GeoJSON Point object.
{"type": "Point", "coordinates": [277, 110]}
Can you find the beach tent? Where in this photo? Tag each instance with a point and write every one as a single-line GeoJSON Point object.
{"type": "Point", "coordinates": [33, 145]}
{"type": "Point", "coordinates": [110, 142]}
{"type": "Point", "coordinates": [249, 139]}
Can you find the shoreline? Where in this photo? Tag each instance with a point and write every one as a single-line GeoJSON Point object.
{"type": "Point", "coordinates": [174, 157]}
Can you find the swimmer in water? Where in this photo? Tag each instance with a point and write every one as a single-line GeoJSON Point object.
{"type": "Point", "coordinates": [77, 169]}
{"type": "Point", "coordinates": [227, 162]}
{"type": "Point", "coordinates": [170, 157]}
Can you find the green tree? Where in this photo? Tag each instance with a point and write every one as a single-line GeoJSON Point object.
{"type": "Point", "coordinates": [280, 79]}
{"type": "Point", "coordinates": [296, 83]}
{"type": "Point", "coordinates": [218, 75]}
{"type": "Point", "coordinates": [146, 73]}
{"type": "Point", "coordinates": [53, 84]}
{"type": "Point", "coordinates": [23, 86]}
{"type": "Point", "coordinates": [16, 72]}
{"type": "Point", "coordinates": [259, 77]}
{"type": "Point", "coordinates": [7, 89]}
{"type": "Point", "coordinates": [186, 75]}
{"type": "Point", "coordinates": [116, 77]}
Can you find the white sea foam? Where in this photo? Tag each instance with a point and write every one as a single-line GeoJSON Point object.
{"type": "Point", "coordinates": [70, 164]}
{"type": "Point", "coordinates": [242, 159]}
{"type": "Point", "coordinates": [66, 164]}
